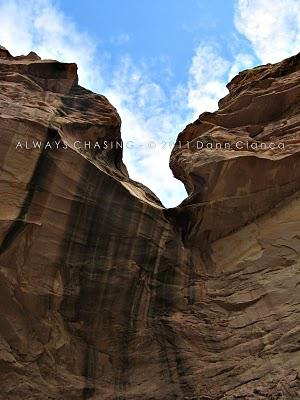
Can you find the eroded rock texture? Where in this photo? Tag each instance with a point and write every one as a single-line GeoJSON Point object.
{"type": "Point", "coordinates": [105, 294]}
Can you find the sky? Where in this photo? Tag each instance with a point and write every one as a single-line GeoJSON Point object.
{"type": "Point", "coordinates": [161, 63]}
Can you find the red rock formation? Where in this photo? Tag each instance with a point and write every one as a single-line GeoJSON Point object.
{"type": "Point", "coordinates": [105, 294]}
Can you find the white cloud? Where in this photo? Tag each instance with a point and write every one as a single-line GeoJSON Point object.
{"type": "Point", "coordinates": [207, 79]}
{"type": "Point", "coordinates": [272, 27]}
{"type": "Point", "coordinates": [208, 76]}
{"type": "Point", "coordinates": [120, 39]}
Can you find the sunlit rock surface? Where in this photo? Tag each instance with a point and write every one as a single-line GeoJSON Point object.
{"type": "Point", "coordinates": [105, 294]}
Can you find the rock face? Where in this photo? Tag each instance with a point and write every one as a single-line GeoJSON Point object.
{"type": "Point", "coordinates": [105, 294]}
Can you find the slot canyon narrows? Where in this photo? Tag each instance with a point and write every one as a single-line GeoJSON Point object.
{"type": "Point", "coordinates": [106, 294]}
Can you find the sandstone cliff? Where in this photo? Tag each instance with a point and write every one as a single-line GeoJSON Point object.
{"type": "Point", "coordinates": [105, 294]}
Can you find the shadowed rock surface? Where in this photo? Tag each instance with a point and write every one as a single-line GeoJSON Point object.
{"type": "Point", "coordinates": [106, 294]}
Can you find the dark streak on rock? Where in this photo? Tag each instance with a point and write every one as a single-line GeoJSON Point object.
{"type": "Point", "coordinates": [39, 176]}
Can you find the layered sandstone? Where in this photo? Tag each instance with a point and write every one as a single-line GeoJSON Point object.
{"type": "Point", "coordinates": [106, 294]}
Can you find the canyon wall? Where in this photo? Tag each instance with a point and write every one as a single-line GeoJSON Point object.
{"type": "Point", "coordinates": [106, 294]}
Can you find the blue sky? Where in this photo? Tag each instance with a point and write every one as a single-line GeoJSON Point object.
{"type": "Point", "coordinates": [161, 63]}
{"type": "Point", "coordinates": [163, 34]}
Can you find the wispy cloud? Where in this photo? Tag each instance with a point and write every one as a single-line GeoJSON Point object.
{"type": "Point", "coordinates": [119, 39]}
{"type": "Point", "coordinates": [272, 27]}
{"type": "Point", "coordinates": [207, 79]}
